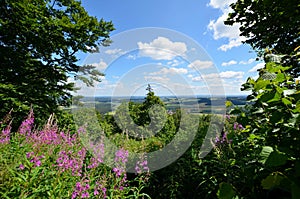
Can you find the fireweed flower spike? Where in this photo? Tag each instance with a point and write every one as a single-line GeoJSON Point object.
{"type": "Point", "coordinates": [26, 126]}
{"type": "Point", "coordinates": [81, 189]}
{"type": "Point", "coordinates": [5, 135]}
{"type": "Point", "coordinates": [142, 165]}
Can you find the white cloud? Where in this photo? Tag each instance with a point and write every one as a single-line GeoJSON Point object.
{"type": "Point", "coordinates": [133, 57]}
{"type": "Point", "coordinates": [211, 76]}
{"type": "Point", "coordinates": [256, 67]}
{"type": "Point", "coordinates": [197, 79]}
{"type": "Point", "coordinates": [170, 71]}
{"type": "Point", "coordinates": [174, 63]}
{"type": "Point", "coordinates": [220, 4]}
{"type": "Point", "coordinates": [199, 65]}
{"type": "Point", "coordinates": [250, 61]}
{"type": "Point", "coordinates": [158, 79]}
{"type": "Point", "coordinates": [231, 62]}
{"type": "Point", "coordinates": [231, 74]}
{"type": "Point", "coordinates": [232, 43]}
{"type": "Point", "coordinates": [116, 51]}
{"type": "Point", "coordinates": [220, 30]}
{"type": "Point", "coordinates": [162, 48]}
{"type": "Point", "coordinates": [100, 66]}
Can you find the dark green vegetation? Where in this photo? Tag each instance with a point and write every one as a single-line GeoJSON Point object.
{"type": "Point", "coordinates": [39, 40]}
{"type": "Point", "coordinates": [255, 155]}
{"type": "Point", "coordinates": [268, 24]}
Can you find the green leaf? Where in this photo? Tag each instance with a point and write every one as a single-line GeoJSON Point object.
{"type": "Point", "coordinates": [276, 158]}
{"type": "Point", "coordinates": [276, 97]}
{"type": "Point", "coordinates": [297, 108]}
{"type": "Point", "coordinates": [272, 180]}
{"type": "Point", "coordinates": [260, 84]}
{"type": "Point", "coordinates": [286, 101]}
{"type": "Point", "coordinates": [265, 153]}
{"type": "Point", "coordinates": [226, 191]}
{"type": "Point", "coordinates": [280, 77]}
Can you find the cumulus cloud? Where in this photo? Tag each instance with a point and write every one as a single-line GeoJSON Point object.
{"type": "Point", "coordinates": [250, 61]}
{"type": "Point", "coordinates": [199, 65]}
{"type": "Point", "coordinates": [231, 74]}
{"type": "Point", "coordinates": [256, 67]}
{"type": "Point", "coordinates": [133, 57]}
{"type": "Point", "coordinates": [231, 62]}
{"type": "Point", "coordinates": [211, 76]}
{"type": "Point", "coordinates": [232, 43]}
{"type": "Point", "coordinates": [174, 63]}
{"type": "Point", "coordinates": [162, 48]}
{"type": "Point", "coordinates": [197, 79]}
{"type": "Point", "coordinates": [158, 79]}
{"type": "Point", "coordinates": [100, 66]}
{"type": "Point", "coordinates": [206, 77]}
{"type": "Point", "coordinates": [116, 51]}
{"type": "Point", "coordinates": [170, 71]}
{"type": "Point", "coordinates": [220, 30]}
{"type": "Point", "coordinates": [222, 75]}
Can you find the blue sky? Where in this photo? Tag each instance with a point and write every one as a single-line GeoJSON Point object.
{"type": "Point", "coordinates": [179, 47]}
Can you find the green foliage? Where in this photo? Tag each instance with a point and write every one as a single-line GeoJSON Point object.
{"type": "Point", "coordinates": [226, 191]}
{"type": "Point", "coordinates": [272, 125]}
{"type": "Point", "coordinates": [38, 45]}
{"type": "Point", "coordinates": [54, 164]}
{"type": "Point", "coordinates": [268, 24]}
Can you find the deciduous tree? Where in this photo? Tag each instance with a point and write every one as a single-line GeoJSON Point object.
{"type": "Point", "coordinates": [273, 24]}
{"type": "Point", "coordinates": [39, 42]}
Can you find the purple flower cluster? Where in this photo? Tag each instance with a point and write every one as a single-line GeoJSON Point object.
{"type": "Point", "coordinates": [36, 160]}
{"type": "Point", "coordinates": [5, 135]}
{"type": "Point", "coordinates": [81, 189]}
{"type": "Point", "coordinates": [98, 152]}
{"type": "Point", "coordinates": [69, 156]}
{"type": "Point", "coordinates": [71, 161]}
{"type": "Point", "coordinates": [121, 157]}
{"type": "Point", "coordinates": [237, 126]}
{"type": "Point", "coordinates": [142, 165]}
{"type": "Point", "coordinates": [27, 125]}
{"type": "Point", "coordinates": [223, 139]}
{"type": "Point", "coordinates": [99, 187]}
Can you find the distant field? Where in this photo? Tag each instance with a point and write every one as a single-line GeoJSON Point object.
{"type": "Point", "coordinates": [189, 104]}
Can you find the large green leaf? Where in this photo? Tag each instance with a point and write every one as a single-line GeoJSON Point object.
{"type": "Point", "coordinates": [226, 191]}
{"type": "Point", "coordinates": [272, 180]}
{"type": "Point", "coordinates": [276, 158]}
{"type": "Point", "coordinates": [265, 153]}
{"type": "Point", "coordinates": [260, 84]}
{"type": "Point", "coordinates": [286, 101]}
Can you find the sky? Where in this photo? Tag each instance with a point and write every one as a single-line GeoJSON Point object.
{"type": "Point", "coordinates": [178, 47]}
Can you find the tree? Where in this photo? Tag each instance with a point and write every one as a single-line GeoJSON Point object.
{"type": "Point", "coordinates": [39, 40]}
{"type": "Point", "coordinates": [271, 119]}
{"type": "Point", "coordinates": [142, 118]}
{"type": "Point", "coordinates": [273, 24]}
